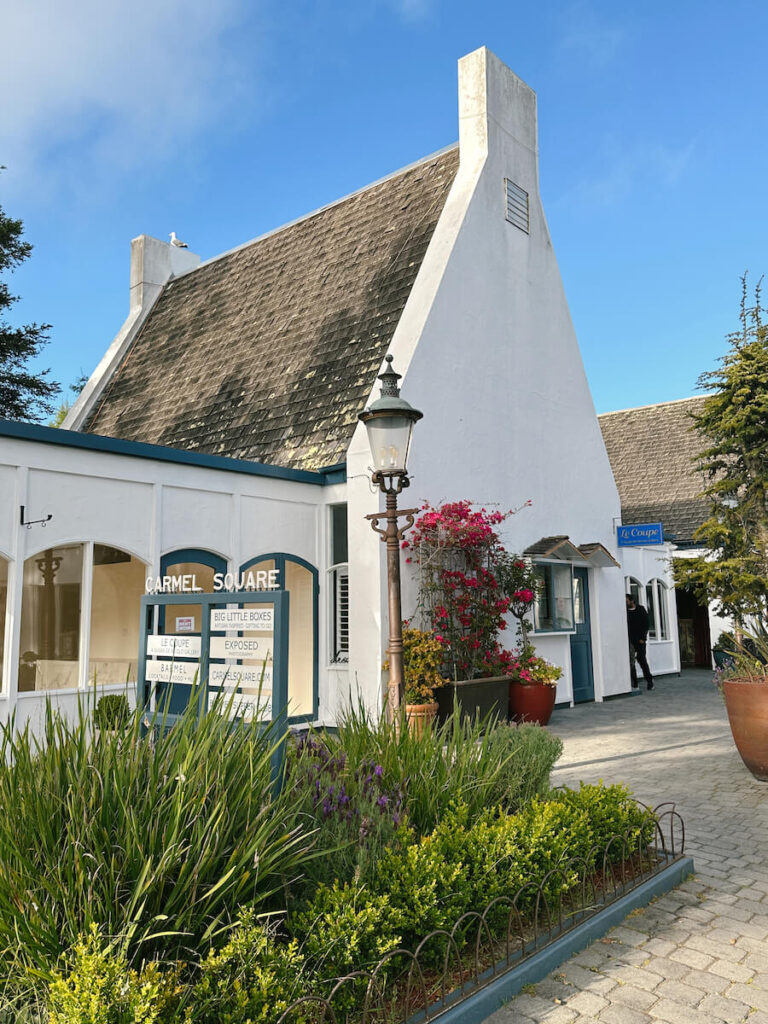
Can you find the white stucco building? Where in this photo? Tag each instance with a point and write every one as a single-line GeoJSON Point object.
{"type": "Point", "coordinates": [220, 430]}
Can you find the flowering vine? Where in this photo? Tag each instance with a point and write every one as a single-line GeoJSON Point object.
{"type": "Point", "coordinates": [464, 585]}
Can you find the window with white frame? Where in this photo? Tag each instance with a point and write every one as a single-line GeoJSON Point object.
{"type": "Point", "coordinates": [656, 596]}
{"type": "Point", "coordinates": [553, 608]}
{"type": "Point", "coordinates": [339, 585]}
{"type": "Point", "coordinates": [635, 590]}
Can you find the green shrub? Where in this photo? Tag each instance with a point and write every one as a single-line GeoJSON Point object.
{"type": "Point", "coordinates": [426, 883]}
{"type": "Point", "coordinates": [252, 979]}
{"type": "Point", "coordinates": [346, 928]}
{"type": "Point", "coordinates": [111, 712]}
{"type": "Point", "coordinates": [99, 987]}
{"type": "Point", "coordinates": [467, 762]}
{"type": "Point", "coordinates": [157, 840]}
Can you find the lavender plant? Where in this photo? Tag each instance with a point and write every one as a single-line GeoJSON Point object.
{"type": "Point", "coordinates": [354, 812]}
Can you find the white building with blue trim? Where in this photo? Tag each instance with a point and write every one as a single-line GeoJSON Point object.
{"type": "Point", "coordinates": [219, 434]}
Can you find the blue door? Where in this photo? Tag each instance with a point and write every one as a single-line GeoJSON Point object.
{"type": "Point", "coordinates": [581, 640]}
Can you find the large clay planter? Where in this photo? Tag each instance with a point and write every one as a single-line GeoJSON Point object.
{"type": "Point", "coordinates": [420, 717]}
{"type": "Point", "coordinates": [747, 704]}
{"type": "Point", "coordinates": [531, 702]}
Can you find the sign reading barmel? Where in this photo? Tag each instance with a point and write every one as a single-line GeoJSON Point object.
{"type": "Point", "coordinates": [172, 671]}
{"type": "Point", "coordinates": [639, 534]}
{"type": "Point", "coordinates": [253, 648]}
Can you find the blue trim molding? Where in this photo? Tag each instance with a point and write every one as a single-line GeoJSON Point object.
{"type": "Point", "coordinates": [280, 558]}
{"type": "Point", "coordinates": [160, 453]}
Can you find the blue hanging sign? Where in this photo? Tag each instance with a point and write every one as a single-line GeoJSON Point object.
{"type": "Point", "coordinates": [640, 534]}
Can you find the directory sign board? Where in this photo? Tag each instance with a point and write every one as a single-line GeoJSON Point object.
{"type": "Point", "coordinates": [237, 664]}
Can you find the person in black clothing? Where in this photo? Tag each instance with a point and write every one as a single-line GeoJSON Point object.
{"type": "Point", "coordinates": [637, 625]}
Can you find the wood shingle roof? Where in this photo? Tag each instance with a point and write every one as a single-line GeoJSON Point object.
{"type": "Point", "coordinates": [268, 353]}
{"type": "Point", "coordinates": [652, 451]}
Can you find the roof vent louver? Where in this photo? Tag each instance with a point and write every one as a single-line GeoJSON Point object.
{"type": "Point", "coordinates": [518, 209]}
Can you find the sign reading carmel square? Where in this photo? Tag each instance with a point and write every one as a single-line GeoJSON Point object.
{"type": "Point", "coordinates": [262, 579]}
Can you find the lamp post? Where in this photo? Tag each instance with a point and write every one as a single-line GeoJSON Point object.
{"type": "Point", "coordinates": [389, 422]}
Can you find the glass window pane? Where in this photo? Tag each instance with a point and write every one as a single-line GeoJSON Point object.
{"type": "Point", "coordinates": [579, 615]}
{"type": "Point", "coordinates": [3, 605]}
{"type": "Point", "coordinates": [650, 608]}
{"type": "Point", "coordinates": [338, 534]}
{"type": "Point", "coordinates": [187, 618]}
{"type": "Point", "coordinates": [562, 588]}
{"type": "Point", "coordinates": [118, 583]}
{"type": "Point", "coordinates": [299, 582]}
{"type": "Point", "coordinates": [661, 594]}
{"type": "Point", "coordinates": [50, 619]}
{"type": "Point", "coordinates": [542, 614]}
{"type": "Point", "coordinates": [634, 590]}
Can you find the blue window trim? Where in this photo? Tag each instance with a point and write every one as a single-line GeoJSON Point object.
{"type": "Point", "coordinates": [280, 558]}
{"type": "Point", "coordinates": [209, 558]}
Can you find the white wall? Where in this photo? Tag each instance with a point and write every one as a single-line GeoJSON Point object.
{"type": "Point", "coordinates": [148, 508]}
{"type": "Point", "coordinates": [489, 354]}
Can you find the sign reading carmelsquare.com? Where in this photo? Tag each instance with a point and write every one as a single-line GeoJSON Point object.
{"type": "Point", "coordinates": [239, 665]}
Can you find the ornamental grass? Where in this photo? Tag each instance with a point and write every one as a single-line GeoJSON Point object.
{"type": "Point", "coordinates": [154, 836]}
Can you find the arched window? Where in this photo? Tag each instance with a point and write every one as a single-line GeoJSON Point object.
{"type": "Point", "coordinates": [3, 606]}
{"type": "Point", "coordinates": [300, 579]}
{"type": "Point", "coordinates": [635, 590]}
{"type": "Point", "coordinates": [190, 562]}
{"type": "Point", "coordinates": [658, 613]}
{"type": "Point", "coordinates": [49, 657]}
{"type": "Point", "coordinates": [118, 583]}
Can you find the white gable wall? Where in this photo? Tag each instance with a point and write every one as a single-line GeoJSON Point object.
{"type": "Point", "coordinates": [489, 354]}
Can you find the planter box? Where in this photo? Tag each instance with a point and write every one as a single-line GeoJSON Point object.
{"type": "Point", "coordinates": [475, 697]}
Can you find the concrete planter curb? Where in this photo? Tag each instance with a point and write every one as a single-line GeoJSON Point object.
{"type": "Point", "coordinates": [475, 1008]}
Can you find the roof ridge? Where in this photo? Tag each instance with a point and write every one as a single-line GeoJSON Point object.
{"type": "Point", "coordinates": [315, 213]}
{"type": "Point", "coordinates": [652, 405]}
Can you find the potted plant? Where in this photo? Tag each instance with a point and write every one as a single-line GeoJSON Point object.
{"type": "Point", "coordinates": [724, 650]}
{"type": "Point", "coordinates": [423, 657]}
{"type": "Point", "coordinates": [110, 714]}
{"type": "Point", "coordinates": [532, 687]}
{"type": "Point", "coordinates": [456, 551]}
{"type": "Point", "coordinates": [744, 685]}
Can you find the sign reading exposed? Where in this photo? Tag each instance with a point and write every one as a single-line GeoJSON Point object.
{"type": "Point", "coordinates": [251, 647]}
{"type": "Point", "coordinates": [639, 535]}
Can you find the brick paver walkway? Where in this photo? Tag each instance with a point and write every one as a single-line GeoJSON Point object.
{"type": "Point", "coordinates": [699, 954]}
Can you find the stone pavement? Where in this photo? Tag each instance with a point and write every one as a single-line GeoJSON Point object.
{"type": "Point", "coordinates": [699, 954]}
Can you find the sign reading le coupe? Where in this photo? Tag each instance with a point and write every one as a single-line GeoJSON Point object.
{"type": "Point", "coordinates": [638, 535]}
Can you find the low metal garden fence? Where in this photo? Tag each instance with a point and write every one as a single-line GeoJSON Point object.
{"type": "Point", "coordinates": [449, 966]}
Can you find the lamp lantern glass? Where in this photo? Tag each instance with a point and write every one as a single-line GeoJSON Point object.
{"type": "Point", "coordinates": [389, 422]}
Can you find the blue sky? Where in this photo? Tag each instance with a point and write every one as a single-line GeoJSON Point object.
{"type": "Point", "coordinates": [223, 120]}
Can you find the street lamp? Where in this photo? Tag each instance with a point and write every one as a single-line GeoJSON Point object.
{"type": "Point", "coordinates": [389, 422]}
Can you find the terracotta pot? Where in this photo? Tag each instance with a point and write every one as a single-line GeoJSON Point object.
{"type": "Point", "coordinates": [531, 702]}
{"type": "Point", "coordinates": [420, 717]}
{"type": "Point", "coordinates": [747, 703]}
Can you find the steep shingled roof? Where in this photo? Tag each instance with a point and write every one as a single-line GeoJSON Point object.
{"type": "Point", "coordinates": [269, 352]}
{"type": "Point", "coordinates": [652, 450]}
